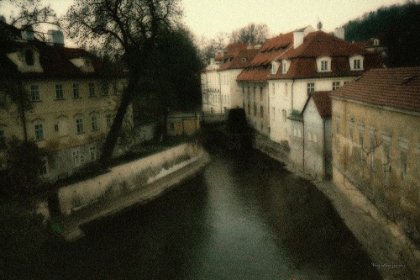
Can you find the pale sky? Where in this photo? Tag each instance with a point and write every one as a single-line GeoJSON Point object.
{"type": "Point", "coordinates": [209, 17]}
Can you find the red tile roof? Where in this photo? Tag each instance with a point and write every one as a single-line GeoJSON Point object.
{"type": "Point", "coordinates": [240, 60]}
{"type": "Point", "coordinates": [394, 87]}
{"type": "Point", "coordinates": [322, 102]}
{"type": "Point", "coordinates": [54, 60]}
{"type": "Point", "coordinates": [303, 58]}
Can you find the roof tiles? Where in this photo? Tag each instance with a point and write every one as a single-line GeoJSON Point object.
{"type": "Point", "coordinates": [395, 87]}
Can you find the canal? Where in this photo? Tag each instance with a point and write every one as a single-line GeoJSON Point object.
{"type": "Point", "coordinates": [243, 217]}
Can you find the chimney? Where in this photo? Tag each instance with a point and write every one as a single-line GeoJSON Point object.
{"type": "Point", "coordinates": [298, 37]}
{"type": "Point", "coordinates": [56, 38]}
{"type": "Point", "coordinates": [28, 33]}
{"type": "Point", "coordinates": [339, 32]}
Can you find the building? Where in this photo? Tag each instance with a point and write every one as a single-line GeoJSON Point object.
{"type": "Point", "coordinates": [220, 92]}
{"type": "Point", "coordinates": [72, 95]}
{"type": "Point", "coordinates": [311, 137]}
{"type": "Point", "coordinates": [376, 141]}
{"type": "Point", "coordinates": [183, 124]}
{"type": "Point", "coordinates": [290, 66]}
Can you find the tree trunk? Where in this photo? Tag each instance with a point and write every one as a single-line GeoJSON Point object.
{"type": "Point", "coordinates": [22, 111]}
{"type": "Point", "coordinates": [112, 137]}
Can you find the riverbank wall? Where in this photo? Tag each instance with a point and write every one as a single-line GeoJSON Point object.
{"type": "Point", "coordinates": [392, 253]}
{"type": "Point", "coordinates": [125, 185]}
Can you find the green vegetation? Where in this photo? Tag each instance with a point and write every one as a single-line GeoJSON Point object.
{"type": "Point", "coordinates": [397, 27]}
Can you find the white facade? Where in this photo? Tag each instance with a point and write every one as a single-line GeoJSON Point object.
{"type": "Point", "coordinates": [317, 142]}
{"type": "Point", "coordinates": [231, 94]}
{"type": "Point", "coordinates": [211, 92]}
{"type": "Point", "coordinates": [287, 96]}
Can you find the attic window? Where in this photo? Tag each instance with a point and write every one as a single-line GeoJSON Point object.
{"type": "Point", "coordinates": [243, 59]}
{"type": "Point", "coordinates": [356, 63]}
{"type": "Point", "coordinates": [324, 64]}
{"type": "Point", "coordinates": [29, 57]}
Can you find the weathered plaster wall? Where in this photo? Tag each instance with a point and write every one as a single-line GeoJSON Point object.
{"type": "Point", "coordinates": [127, 177]}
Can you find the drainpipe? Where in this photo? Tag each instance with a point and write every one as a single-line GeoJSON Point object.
{"type": "Point", "coordinates": [220, 91]}
{"type": "Point", "coordinates": [303, 145]}
{"type": "Point", "coordinates": [323, 149]}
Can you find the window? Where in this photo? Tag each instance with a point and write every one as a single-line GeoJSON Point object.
{"type": "Point", "coordinates": [337, 124]}
{"type": "Point", "coordinates": [105, 88]}
{"type": "Point", "coordinates": [336, 85]}
{"type": "Point", "coordinates": [76, 91]}
{"type": "Point", "coordinates": [284, 115]}
{"type": "Point", "coordinates": [261, 94]}
{"type": "Point", "coordinates": [2, 139]}
{"type": "Point", "coordinates": [310, 88]}
{"type": "Point", "coordinates": [284, 69]}
{"type": "Point", "coordinates": [93, 153]}
{"type": "Point", "coordinates": [94, 120]}
{"type": "Point", "coordinates": [356, 64]}
{"type": "Point", "coordinates": [285, 66]}
{"type": "Point", "coordinates": [35, 93]}
{"type": "Point", "coordinates": [261, 111]}
{"type": "Point", "coordinates": [109, 120]}
{"type": "Point", "coordinates": [92, 90]}
{"type": "Point", "coordinates": [76, 158]}
{"type": "Point", "coordinates": [274, 67]}
{"type": "Point", "coordinates": [324, 65]}
{"type": "Point", "coordinates": [59, 93]}
{"type": "Point", "coordinates": [79, 125]}
{"type": "Point", "coordinates": [39, 132]}
{"type": "Point", "coordinates": [29, 57]}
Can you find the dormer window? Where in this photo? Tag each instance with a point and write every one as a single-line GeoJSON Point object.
{"type": "Point", "coordinates": [285, 66]}
{"type": "Point", "coordinates": [324, 64]}
{"type": "Point", "coordinates": [29, 57]}
{"type": "Point", "coordinates": [356, 63]}
{"type": "Point", "coordinates": [274, 67]}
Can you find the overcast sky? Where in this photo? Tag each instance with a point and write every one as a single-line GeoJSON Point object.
{"type": "Point", "coordinates": [209, 17]}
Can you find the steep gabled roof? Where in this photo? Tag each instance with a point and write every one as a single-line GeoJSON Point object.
{"type": "Point", "coordinates": [395, 87]}
{"type": "Point", "coordinates": [240, 60]}
{"type": "Point", "coordinates": [55, 62]}
{"type": "Point", "coordinates": [322, 102]}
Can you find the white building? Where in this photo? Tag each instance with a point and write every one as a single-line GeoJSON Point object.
{"type": "Point", "coordinates": [219, 87]}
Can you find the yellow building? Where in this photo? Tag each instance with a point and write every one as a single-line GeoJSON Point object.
{"type": "Point", "coordinates": [183, 124]}
{"type": "Point", "coordinates": [73, 96]}
{"type": "Point", "coordinates": [376, 141]}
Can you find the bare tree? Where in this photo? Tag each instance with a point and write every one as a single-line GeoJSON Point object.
{"type": "Point", "coordinates": [32, 14]}
{"type": "Point", "coordinates": [132, 29]}
{"type": "Point", "coordinates": [250, 33]}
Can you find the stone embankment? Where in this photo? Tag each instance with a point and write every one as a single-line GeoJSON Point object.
{"type": "Point", "coordinates": [392, 253]}
{"type": "Point", "coordinates": [133, 183]}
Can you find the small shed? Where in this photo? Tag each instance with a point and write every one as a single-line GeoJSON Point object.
{"type": "Point", "coordinates": [183, 124]}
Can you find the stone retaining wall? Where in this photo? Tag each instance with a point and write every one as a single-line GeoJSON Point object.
{"type": "Point", "coordinates": [126, 178]}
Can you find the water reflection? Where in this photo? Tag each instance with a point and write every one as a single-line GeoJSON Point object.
{"type": "Point", "coordinates": [244, 217]}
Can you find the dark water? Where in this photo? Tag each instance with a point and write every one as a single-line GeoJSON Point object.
{"type": "Point", "coordinates": [243, 217]}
